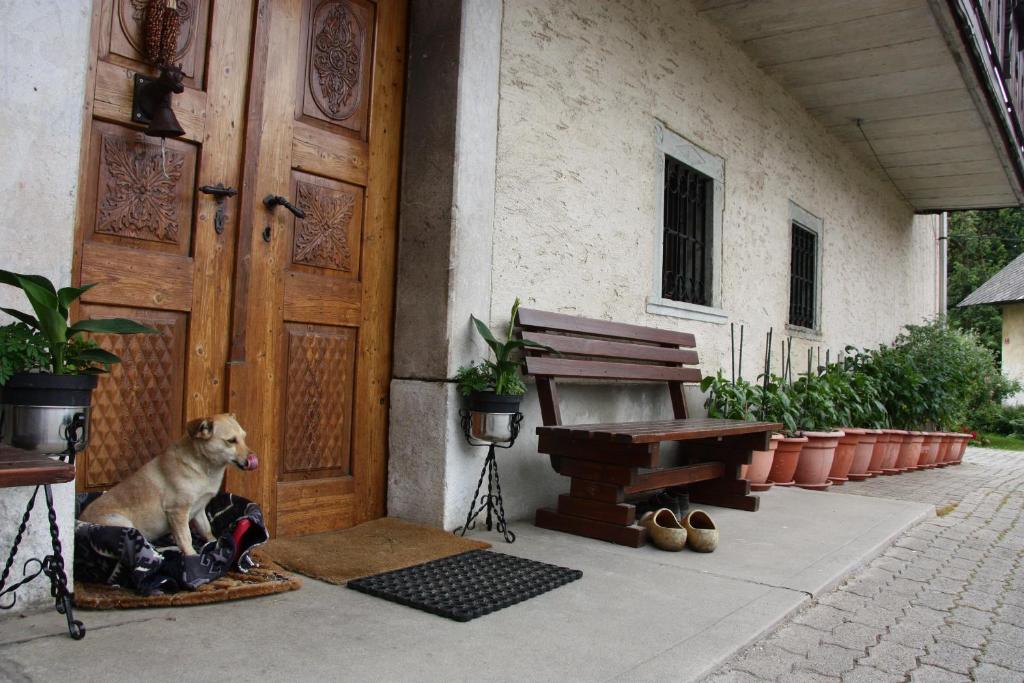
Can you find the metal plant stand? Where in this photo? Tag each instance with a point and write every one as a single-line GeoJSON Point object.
{"type": "Point", "coordinates": [51, 565]}
{"type": "Point", "coordinates": [491, 501]}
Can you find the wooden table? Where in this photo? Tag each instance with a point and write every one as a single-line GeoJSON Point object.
{"type": "Point", "coordinates": [30, 468]}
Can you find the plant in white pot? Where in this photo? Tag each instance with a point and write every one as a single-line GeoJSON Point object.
{"type": "Point", "coordinates": [494, 388]}
{"type": "Point", "coordinates": [48, 368]}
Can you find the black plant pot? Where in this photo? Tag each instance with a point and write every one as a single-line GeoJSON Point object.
{"type": "Point", "coordinates": [37, 410]}
{"type": "Point", "coordinates": [490, 402]}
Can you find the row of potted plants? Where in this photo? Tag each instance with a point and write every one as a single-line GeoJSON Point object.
{"type": "Point", "coordinates": [894, 409]}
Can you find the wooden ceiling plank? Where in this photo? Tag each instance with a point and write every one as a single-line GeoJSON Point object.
{"type": "Point", "coordinates": [869, 88]}
{"type": "Point", "coordinates": [964, 181]}
{"type": "Point", "coordinates": [875, 61]}
{"type": "Point", "coordinates": [940, 170]}
{"type": "Point", "coordinates": [940, 102]}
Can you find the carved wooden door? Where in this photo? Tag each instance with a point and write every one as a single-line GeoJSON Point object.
{"type": "Point", "coordinates": [148, 238]}
{"type": "Point", "coordinates": [312, 345]}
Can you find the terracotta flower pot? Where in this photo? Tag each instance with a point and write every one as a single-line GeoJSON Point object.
{"type": "Point", "coordinates": [960, 446]}
{"type": "Point", "coordinates": [841, 464]}
{"type": "Point", "coordinates": [892, 451]}
{"type": "Point", "coordinates": [760, 466]}
{"type": "Point", "coordinates": [929, 449]}
{"type": "Point", "coordinates": [947, 448]}
{"type": "Point", "coordinates": [879, 452]}
{"type": "Point", "coordinates": [861, 462]}
{"type": "Point", "coordinates": [787, 457]}
{"type": "Point", "coordinates": [910, 451]}
{"type": "Point", "coordinates": [816, 460]}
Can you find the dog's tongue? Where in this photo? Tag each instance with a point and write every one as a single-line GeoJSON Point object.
{"type": "Point", "coordinates": [252, 462]}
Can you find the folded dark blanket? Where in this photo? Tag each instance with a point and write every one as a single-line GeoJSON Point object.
{"type": "Point", "coordinates": [121, 556]}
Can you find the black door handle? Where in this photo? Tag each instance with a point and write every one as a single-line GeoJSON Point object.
{"type": "Point", "coordinates": [272, 200]}
{"type": "Point", "coordinates": [219, 194]}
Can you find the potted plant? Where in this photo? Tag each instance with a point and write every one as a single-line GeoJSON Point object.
{"type": "Point", "coordinates": [494, 388]}
{"type": "Point", "coordinates": [777, 406]}
{"type": "Point", "coordinates": [818, 419]}
{"type": "Point", "coordinates": [48, 368]}
{"type": "Point", "coordinates": [741, 400]}
{"type": "Point", "coordinates": [867, 414]}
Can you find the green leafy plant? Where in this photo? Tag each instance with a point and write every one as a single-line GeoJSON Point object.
{"type": "Point", "coordinates": [52, 343]}
{"type": "Point", "coordinates": [739, 400]}
{"type": "Point", "coordinates": [818, 402]}
{"type": "Point", "coordinates": [500, 375]}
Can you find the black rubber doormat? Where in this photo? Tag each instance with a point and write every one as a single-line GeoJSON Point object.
{"type": "Point", "coordinates": [466, 586]}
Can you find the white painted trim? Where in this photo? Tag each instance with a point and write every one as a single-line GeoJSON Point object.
{"type": "Point", "coordinates": [806, 219]}
{"type": "Point", "coordinates": [666, 142]}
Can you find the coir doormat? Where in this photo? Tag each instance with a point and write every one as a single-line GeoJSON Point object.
{"type": "Point", "coordinates": [232, 586]}
{"type": "Point", "coordinates": [467, 586]}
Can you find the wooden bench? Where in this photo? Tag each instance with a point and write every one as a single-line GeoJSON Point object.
{"type": "Point", "coordinates": [610, 461]}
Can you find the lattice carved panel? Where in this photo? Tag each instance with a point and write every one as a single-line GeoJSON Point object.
{"type": "Point", "coordinates": [143, 193]}
{"type": "Point", "coordinates": [128, 19]}
{"type": "Point", "coordinates": [318, 400]}
{"type": "Point", "coordinates": [137, 408]}
{"type": "Point", "coordinates": [336, 79]}
{"type": "Point", "coordinates": [328, 237]}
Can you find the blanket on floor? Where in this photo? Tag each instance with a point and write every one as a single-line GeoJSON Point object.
{"type": "Point", "coordinates": [121, 556]}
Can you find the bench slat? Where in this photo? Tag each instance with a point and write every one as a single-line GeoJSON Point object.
{"type": "Point", "coordinates": [611, 349]}
{"type": "Point", "coordinates": [591, 369]}
{"type": "Point", "coordinates": [676, 476]}
{"type": "Point", "coordinates": [544, 320]}
{"type": "Point", "coordinates": [669, 430]}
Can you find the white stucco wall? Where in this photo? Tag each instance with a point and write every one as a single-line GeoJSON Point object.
{"type": "Point", "coordinates": [43, 49]}
{"type": "Point", "coordinates": [582, 86]}
{"type": "Point", "coordinates": [1013, 348]}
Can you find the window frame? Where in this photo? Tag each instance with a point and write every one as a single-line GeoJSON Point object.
{"type": "Point", "coordinates": [668, 143]}
{"type": "Point", "coordinates": [813, 224]}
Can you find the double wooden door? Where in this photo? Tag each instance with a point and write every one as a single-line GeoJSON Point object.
{"type": "Point", "coordinates": [281, 318]}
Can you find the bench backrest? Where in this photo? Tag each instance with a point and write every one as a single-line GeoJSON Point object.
{"type": "Point", "coordinates": [598, 349]}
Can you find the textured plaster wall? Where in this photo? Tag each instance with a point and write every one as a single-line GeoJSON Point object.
{"type": "Point", "coordinates": [582, 86]}
{"type": "Point", "coordinates": [43, 49]}
{"type": "Point", "coordinates": [1013, 347]}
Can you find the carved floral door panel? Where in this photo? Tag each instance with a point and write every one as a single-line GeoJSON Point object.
{"type": "Point", "coordinates": [312, 368]}
{"type": "Point", "coordinates": [147, 237]}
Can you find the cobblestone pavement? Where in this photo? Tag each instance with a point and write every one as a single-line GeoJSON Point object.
{"type": "Point", "coordinates": [944, 603]}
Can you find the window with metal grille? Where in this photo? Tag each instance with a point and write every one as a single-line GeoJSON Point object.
{"type": "Point", "coordinates": [803, 277]}
{"type": "Point", "coordinates": [688, 229]}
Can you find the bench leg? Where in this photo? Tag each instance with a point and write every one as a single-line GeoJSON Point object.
{"type": "Point", "coordinates": [628, 535]}
{"type": "Point", "coordinates": [726, 492]}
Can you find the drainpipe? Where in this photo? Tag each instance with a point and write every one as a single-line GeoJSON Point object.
{"type": "Point", "coordinates": [943, 260]}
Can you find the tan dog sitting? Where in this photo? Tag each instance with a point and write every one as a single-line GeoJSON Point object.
{"type": "Point", "coordinates": [174, 487]}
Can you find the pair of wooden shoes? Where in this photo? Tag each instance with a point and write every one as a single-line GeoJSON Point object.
{"type": "Point", "coordinates": [697, 530]}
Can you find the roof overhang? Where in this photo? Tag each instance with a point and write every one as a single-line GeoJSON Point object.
{"type": "Point", "coordinates": [914, 87]}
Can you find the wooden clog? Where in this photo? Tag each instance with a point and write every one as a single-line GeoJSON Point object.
{"type": "Point", "coordinates": [701, 532]}
{"type": "Point", "coordinates": [664, 530]}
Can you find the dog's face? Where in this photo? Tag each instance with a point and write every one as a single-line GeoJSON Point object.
{"type": "Point", "coordinates": [222, 440]}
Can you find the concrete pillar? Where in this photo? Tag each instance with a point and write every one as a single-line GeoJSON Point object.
{"type": "Point", "coordinates": [445, 240]}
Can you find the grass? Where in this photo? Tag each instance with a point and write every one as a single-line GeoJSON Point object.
{"type": "Point", "coordinates": [946, 509]}
{"type": "Point", "coordinates": [1006, 443]}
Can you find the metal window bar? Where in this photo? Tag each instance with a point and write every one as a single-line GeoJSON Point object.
{"type": "Point", "coordinates": [803, 278]}
{"type": "Point", "coordinates": [686, 246]}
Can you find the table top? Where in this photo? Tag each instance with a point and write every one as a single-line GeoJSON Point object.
{"type": "Point", "coordinates": [30, 468]}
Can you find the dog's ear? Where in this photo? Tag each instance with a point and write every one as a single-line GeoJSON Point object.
{"type": "Point", "coordinates": [200, 429]}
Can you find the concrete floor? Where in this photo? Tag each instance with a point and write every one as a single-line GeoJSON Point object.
{"type": "Point", "coordinates": [635, 615]}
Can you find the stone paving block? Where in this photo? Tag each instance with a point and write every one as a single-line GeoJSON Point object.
{"type": "Point", "coordinates": [970, 616]}
{"type": "Point", "coordinates": [910, 634]}
{"type": "Point", "coordinates": [947, 585]}
{"type": "Point", "coordinates": [875, 616]}
{"type": "Point", "coordinates": [911, 543]}
{"type": "Point", "coordinates": [829, 660]}
{"type": "Point", "coordinates": [968, 636]}
{"type": "Point", "coordinates": [867, 674]}
{"type": "Point", "coordinates": [925, 616]}
{"type": "Point", "coordinates": [1005, 655]}
{"type": "Point", "coordinates": [901, 553]}
{"type": "Point", "coordinates": [821, 617]}
{"type": "Point", "coordinates": [951, 656]}
{"type": "Point", "coordinates": [808, 677]}
{"type": "Point", "coordinates": [1012, 614]}
{"type": "Point", "coordinates": [892, 657]}
{"type": "Point", "coordinates": [980, 601]}
{"type": "Point", "coordinates": [917, 573]}
{"type": "Point", "coordinates": [934, 600]}
{"type": "Point", "coordinates": [989, 673]}
{"type": "Point", "coordinates": [931, 674]}
{"type": "Point", "coordinates": [853, 636]}
{"type": "Point", "coordinates": [797, 638]}
{"type": "Point", "coordinates": [844, 600]}
{"type": "Point", "coordinates": [766, 661]}
{"type": "Point", "coordinates": [733, 677]}
{"type": "Point", "coordinates": [1007, 633]}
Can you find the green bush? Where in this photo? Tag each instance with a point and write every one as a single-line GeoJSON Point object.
{"type": "Point", "coordinates": [999, 419]}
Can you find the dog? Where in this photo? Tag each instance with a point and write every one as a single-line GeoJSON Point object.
{"type": "Point", "coordinates": [174, 487]}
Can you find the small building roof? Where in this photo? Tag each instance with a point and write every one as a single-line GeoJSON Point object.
{"type": "Point", "coordinates": [1006, 286]}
